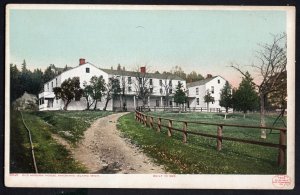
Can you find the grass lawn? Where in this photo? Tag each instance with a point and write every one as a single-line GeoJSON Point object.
{"type": "Point", "coordinates": [51, 157]}
{"type": "Point", "coordinates": [199, 154]}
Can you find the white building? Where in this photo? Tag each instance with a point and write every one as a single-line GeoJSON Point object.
{"type": "Point", "coordinates": [197, 90]}
{"type": "Point", "coordinates": [157, 83]}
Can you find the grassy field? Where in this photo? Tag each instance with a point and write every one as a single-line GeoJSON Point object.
{"type": "Point", "coordinates": [199, 155]}
{"type": "Point", "coordinates": [50, 156]}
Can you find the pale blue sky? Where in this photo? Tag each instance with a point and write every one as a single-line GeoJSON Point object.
{"type": "Point", "coordinates": [204, 41]}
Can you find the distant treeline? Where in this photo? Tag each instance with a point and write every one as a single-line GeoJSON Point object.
{"type": "Point", "coordinates": [30, 81]}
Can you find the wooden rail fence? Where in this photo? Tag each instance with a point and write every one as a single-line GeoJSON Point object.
{"type": "Point", "coordinates": [149, 121]}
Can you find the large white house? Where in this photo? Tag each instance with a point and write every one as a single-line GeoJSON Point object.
{"type": "Point", "coordinates": [157, 83]}
{"type": "Point", "coordinates": [162, 87]}
{"type": "Point", "coordinates": [197, 90]}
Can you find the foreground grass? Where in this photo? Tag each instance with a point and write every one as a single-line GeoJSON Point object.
{"type": "Point", "coordinates": [70, 124]}
{"type": "Point", "coordinates": [51, 157]}
{"type": "Point", "coordinates": [199, 155]}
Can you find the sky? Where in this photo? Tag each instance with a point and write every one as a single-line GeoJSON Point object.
{"type": "Point", "coordinates": [200, 40]}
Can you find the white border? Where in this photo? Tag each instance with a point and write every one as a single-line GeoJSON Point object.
{"type": "Point", "coordinates": [157, 180]}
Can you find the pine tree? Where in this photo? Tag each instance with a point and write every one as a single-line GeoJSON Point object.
{"type": "Point", "coordinates": [180, 96]}
{"type": "Point", "coordinates": [226, 97]}
{"type": "Point", "coordinates": [246, 96]}
{"type": "Point", "coordinates": [24, 66]}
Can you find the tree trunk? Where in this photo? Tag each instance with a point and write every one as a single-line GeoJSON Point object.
{"type": "Point", "coordinates": [66, 104]}
{"type": "Point", "coordinates": [226, 112]}
{"type": "Point", "coordinates": [263, 134]}
{"type": "Point", "coordinates": [96, 101]}
{"type": "Point", "coordinates": [87, 103]}
{"type": "Point", "coordinates": [207, 106]}
{"type": "Point", "coordinates": [244, 114]}
{"type": "Point", "coordinates": [121, 102]}
{"type": "Point", "coordinates": [107, 100]}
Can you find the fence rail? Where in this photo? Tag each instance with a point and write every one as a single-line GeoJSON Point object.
{"type": "Point", "coordinates": [149, 120]}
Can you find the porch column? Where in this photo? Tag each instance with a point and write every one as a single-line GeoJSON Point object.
{"type": "Point", "coordinates": [134, 103]}
{"type": "Point", "coordinates": [148, 101]}
{"type": "Point", "coordinates": [161, 101]}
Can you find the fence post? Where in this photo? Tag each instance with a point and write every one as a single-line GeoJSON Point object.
{"type": "Point", "coordinates": [282, 149]}
{"type": "Point", "coordinates": [159, 125]}
{"type": "Point", "coordinates": [145, 120]}
{"type": "Point", "coordinates": [140, 117]}
{"type": "Point", "coordinates": [170, 128]}
{"type": "Point", "coordinates": [151, 122]}
{"type": "Point", "coordinates": [219, 139]}
{"type": "Point", "coordinates": [184, 132]}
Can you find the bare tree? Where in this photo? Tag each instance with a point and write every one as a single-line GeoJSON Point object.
{"type": "Point", "coordinates": [167, 86]}
{"type": "Point", "coordinates": [142, 85]}
{"type": "Point", "coordinates": [123, 86]}
{"type": "Point", "coordinates": [271, 64]}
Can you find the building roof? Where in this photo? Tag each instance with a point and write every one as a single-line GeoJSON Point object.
{"type": "Point", "coordinates": [134, 74]}
{"type": "Point", "coordinates": [201, 82]}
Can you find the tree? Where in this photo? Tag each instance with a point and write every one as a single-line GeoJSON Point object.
{"type": "Point", "coordinates": [177, 70]}
{"type": "Point", "coordinates": [180, 96]}
{"type": "Point", "coordinates": [207, 99]}
{"type": "Point", "coordinates": [37, 84]}
{"type": "Point", "coordinates": [193, 76]}
{"type": "Point", "coordinates": [68, 90]}
{"type": "Point", "coordinates": [16, 89]}
{"type": "Point", "coordinates": [142, 86]}
{"type": "Point", "coordinates": [24, 66]}
{"type": "Point", "coordinates": [49, 73]}
{"type": "Point", "coordinates": [167, 86]}
{"type": "Point", "coordinates": [271, 63]}
{"type": "Point", "coordinates": [123, 85]}
{"type": "Point", "coordinates": [98, 88]}
{"type": "Point", "coordinates": [112, 90]}
{"type": "Point", "coordinates": [87, 94]}
{"type": "Point", "coordinates": [245, 96]}
{"type": "Point", "coordinates": [226, 97]}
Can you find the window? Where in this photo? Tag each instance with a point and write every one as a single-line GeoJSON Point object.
{"type": "Point", "coordinates": [56, 82]}
{"type": "Point", "coordinates": [52, 84]}
{"type": "Point", "coordinates": [87, 70]}
{"type": "Point", "coordinates": [170, 103]}
{"type": "Point", "coordinates": [160, 90]}
{"type": "Point", "coordinates": [218, 81]}
{"type": "Point", "coordinates": [197, 101]}
{"type": "Point", "coordinates": [212, 89]}
{"type": "Point", "coordinates": [160, 82]}
{"type": "Point", "coordinates": [170, 91]}
{"type": "Point", "coordinates": [170, 83]}
{"type": "Point", "coordinates": [178, 82]}
{"type": "Point", "coordinates": [129, 80]}
{"type": "Point", "coordinates": [129, 89]}
{"type": "Point", "coordinates": [151, 82]}
{"type": "Point", "coordinates": [47, 86]}
{"type": "Point", "coordinates": [157, 103]}
{"type": "Point", "coordinates": [197, 91]}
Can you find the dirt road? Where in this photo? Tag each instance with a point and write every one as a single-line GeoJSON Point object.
{"type": "Point", "coordinates": [103, 150]}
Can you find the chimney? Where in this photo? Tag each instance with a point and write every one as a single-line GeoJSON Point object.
{"type": "Point", "coordinates": [209, 76]}
{"type": "Point", "coordinates": [81, 61]}
{"type": "Point", "coordinates": [143, 69]}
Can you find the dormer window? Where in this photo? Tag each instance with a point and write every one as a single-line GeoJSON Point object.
{"type": "Point", "coordinates": [87, 70]}
{"type": "Point", "coordinates": [218, 81]}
